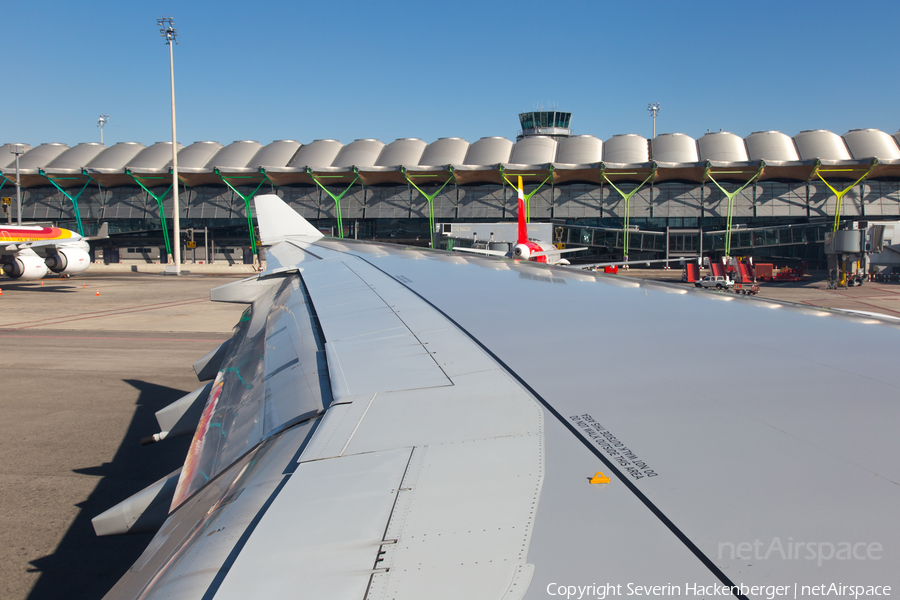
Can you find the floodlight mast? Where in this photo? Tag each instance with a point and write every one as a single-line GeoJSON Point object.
{"type": "Point", "coordinates": [100, 123]}
{"type": "Point", "coordinates": [653, 108]}
{"type": "Point", "coordinates": [18, 150]}
{"type": "Point", "coordinates": [168, 31]}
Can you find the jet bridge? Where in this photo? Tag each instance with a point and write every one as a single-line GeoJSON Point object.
{"type": "Point", "coordinates": [847, 253]}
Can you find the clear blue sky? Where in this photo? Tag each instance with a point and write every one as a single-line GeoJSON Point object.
{"type": "Point", "coordinates": [347, 70]}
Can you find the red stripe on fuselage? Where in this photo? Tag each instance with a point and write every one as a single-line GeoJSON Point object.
{"type": "Point", "coordinates": [33, 234]}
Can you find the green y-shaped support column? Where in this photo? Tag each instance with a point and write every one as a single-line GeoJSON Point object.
{"type": "Point", "coordinates": [73, 199]}
{"type": "Point", "coordinates": [428, 197]}
{"type": "Point", "coordinates": [731, 196]}
{"type": "Point", "coordinates": [337, 198]}
{"type": "Point", "coordinates": [627, 199]}
{"type": "Point", "coordinates": [527, 196]}
{"type": "Point", "coordinates": [159, 203]}
{"type": "Point", "coordinates": [840, 194]}
{"type": "Point", "coordinates": [246, 199]}
{"type": "Point", "coordinates": [2, 183]}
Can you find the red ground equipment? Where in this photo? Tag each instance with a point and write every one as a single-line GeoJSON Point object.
{"type": "Point", "coordinates": [691, 273]}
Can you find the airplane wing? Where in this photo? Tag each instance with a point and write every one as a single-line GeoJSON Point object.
{"type": "Point", "coordinates": [620, 263]}
{"type": "Point", "coordinates": [482, 251]}
{"type": "Point", "coordinates": [17, 247]}
{"type": "Point", "coordinates": [390, 422]}
{"type": "Point", "coordinates": [563, 251]}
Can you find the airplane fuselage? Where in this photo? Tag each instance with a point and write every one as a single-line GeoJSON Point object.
{"type": "Point", "coordinates": [31, 252]}
{"type": "Point", "coordinates": [539, 252]}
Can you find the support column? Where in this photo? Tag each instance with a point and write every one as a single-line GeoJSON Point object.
{"type": "Point", "coordinates": [429, 198]}
{"type": "Point", "coordinates": [627, 198]}
{"type": "Point", "coordinates": [73, 199]}
{"type": "Point", "coordinates": [337, 198]}
{"type": "Point", "coordinates": [840, 194]}
{"type": "Point", "coordinates": [247, 208]}
{"type": "Point", "coordinates": [9, 210]}
{"type": "Point", "coordinates": [731, 196]}
{"type": "Point", "coordinates": [527, 196]}
{"type": "Point", "coordinates": [159, 202]}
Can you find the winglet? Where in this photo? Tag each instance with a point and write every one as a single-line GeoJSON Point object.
{"type": "Point", "coordinates": [523, 228]}
{"type": "Point", "coordinates": [278, 221]}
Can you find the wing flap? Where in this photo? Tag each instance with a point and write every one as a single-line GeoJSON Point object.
{"type": "Point", "coordinates": [332, 552]}
{"type": "Point", "coordinates": [369, 347]}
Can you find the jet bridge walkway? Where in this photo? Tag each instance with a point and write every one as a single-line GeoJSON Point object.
{"type": "Point", "coordinates": [687, 242]}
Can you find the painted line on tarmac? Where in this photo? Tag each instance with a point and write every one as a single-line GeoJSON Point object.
{"type": "Point", "coordinates": [97, 315]}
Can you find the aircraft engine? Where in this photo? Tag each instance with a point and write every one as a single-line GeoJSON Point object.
{"type": "Point", "coordinates": [25, 267]}
{"type": "Point", "coordinates": [67, 261]}
{"type": "Point", "coordinates": [521, 252]}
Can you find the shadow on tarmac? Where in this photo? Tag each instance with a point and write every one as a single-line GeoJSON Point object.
{"type": "Point", "coordinates": [40, 289]}
{"type": "Point", "coordinates": [83, 565]}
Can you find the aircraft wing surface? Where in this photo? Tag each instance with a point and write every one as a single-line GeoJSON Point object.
{"type": "Point", "coordinates": [402, 423]}
{"type": "Point", "coordinates": [16, 247]}
{"type": "Point", "coordinates": [482, 251]}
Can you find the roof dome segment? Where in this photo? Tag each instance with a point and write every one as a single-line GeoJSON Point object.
{"type": "Point", "coordinates": [359, 153]}
{"type": "Point", "coordinates": [277, 154]}
{"type": "Point", "coordinates": [489, 151]}
{"type": "Point", "coordinates": [772, 146]}
{"type": "Point", "coordinates": [579, 150]}
{"type": "Point", "coordinates": [822, 144]}
{"type": "Point", "coordinates": [871, 143]}
{"type": "Point", "coordinates": [445, 151]}
{"type": "Point", "coordinates": [674, 148]}
{"type": "Point", "coordinates": [722, 146]}
{"type": "Point", "coordinates": [405, 151]}
{"type": "Point", "coordinates": [77, 157]}
{"type": "Point", "coordinates": [320, 153]}
{"type": "Point", "coordinates": [628, 148]}
{"type": "Point", "coordinates": [198, 154]}
{"type": "Point", "coordinates": [154, 158]}
{"type": "Point", "coordinates": [534, 150]}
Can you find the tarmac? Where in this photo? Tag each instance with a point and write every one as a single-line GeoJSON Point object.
{"type": "Point", "coordinates": [83, 375]}
{"type": "Point", "coordinates": [874, 297]}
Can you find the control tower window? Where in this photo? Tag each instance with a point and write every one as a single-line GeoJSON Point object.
{"type": "Point", "coordinates": [527, 121]}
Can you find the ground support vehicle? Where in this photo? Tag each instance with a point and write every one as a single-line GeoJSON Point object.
{"type": "Point", "coordinates": [748, 289]}
{"type": "Point", "coordinates": [715, 281]}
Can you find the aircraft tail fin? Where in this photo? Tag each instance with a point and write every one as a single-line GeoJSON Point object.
{"type": "Point", "coordinates": [102, 234]}
{"type": "Point", "coordinates": [278, 221]}
{"type": "Point", "coordinates": [523, 227]}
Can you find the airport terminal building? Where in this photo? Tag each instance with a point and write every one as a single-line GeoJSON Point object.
{"type": "Point", "coordinates": [675, 195]}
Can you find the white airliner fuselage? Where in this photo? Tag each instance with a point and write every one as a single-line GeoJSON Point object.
{"type": "Point", "coordinates": [30, 252]}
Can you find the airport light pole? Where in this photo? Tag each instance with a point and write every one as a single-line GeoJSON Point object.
{"type": "Point", "coordinates": [18, 150]}
{"type": "Point", "coordinates": [100, 123]}
{"type": "Point", "coordinates": [168, 31]}
{"type": "Point", "coordinates": [653, 108]}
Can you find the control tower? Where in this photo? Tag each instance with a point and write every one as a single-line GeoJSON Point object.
{"type": "Point", "coordinates": [551, 123]}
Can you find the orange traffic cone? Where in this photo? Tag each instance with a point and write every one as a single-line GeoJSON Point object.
{"type": "Point", "coordinates": [98, 293]}
{"type": "Point", "coordinates": [1, 292]}
{"type": "Point", "coordinates": [42, 282]}
{"type": "Point", "coordinates": [83, 285]}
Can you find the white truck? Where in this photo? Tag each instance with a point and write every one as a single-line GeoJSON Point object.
{"type": "Point", "coordinates": [713, 281]}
